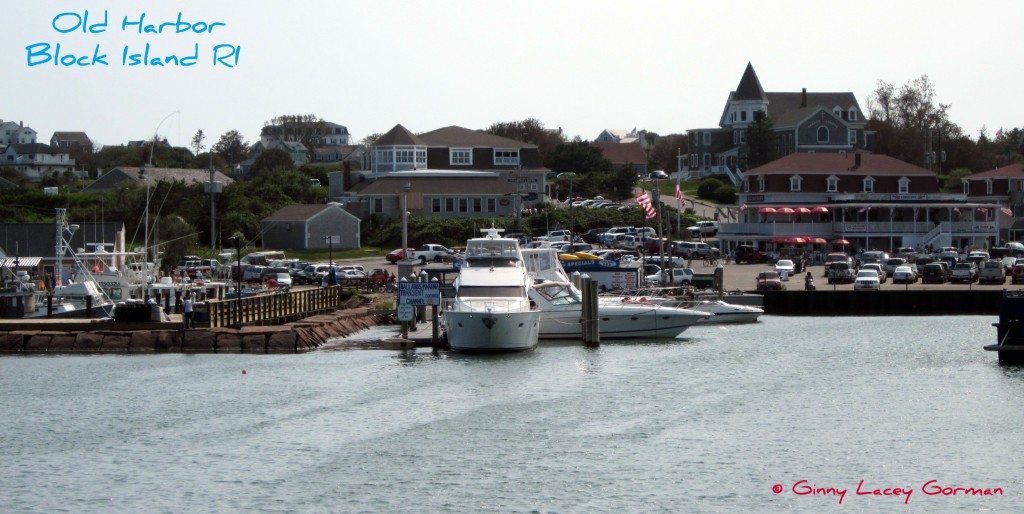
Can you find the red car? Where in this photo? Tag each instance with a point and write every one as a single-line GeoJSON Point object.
{"type": "Point", "coordinates": [769, 281]}
{"type": "Point", "coordinates": [396, 255]}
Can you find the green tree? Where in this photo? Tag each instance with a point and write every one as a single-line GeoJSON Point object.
{"type": "Point", "coordinates": [707, 188]}
{"type": "Point", "coordinates": [232, 147]}
{"type": "Point", "coordinates": [198, 142]}
{"type": "Point", "coordinates": [725, 195]}
{"type": "Point", "coordinates": [274, 159]}
{"type": "Point", "coordinates": [530, 131]}
{"type": "Point", "coordinates": [953, 182]}
{"type": "Point", "coordinates": [761, 145]}
{"type": "Point", "coordinates": [307, 129]}
{"type": "Point", "coordinates": [584, 160]}
{"type": "Point", "coordinates": [662, 156]}
{"type": "Point", "coordinates": [908, 122]}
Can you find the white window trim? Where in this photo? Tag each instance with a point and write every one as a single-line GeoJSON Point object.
{"type": "Point", "coordinates": [832, 184]}
{"type": "Point", "coordinates": [707, 138]}
{"type": "Point", "coordinates": [988, 186]}
{"type": "Point", "coordinates": [760, 184]}
{"type": "Point", "coordinates": [795, 182]}
{"type": "Point", "coordinates": [904, 185]}
{"type": "Point", "coordinates": [852, 114]}
{"type": "Point", "coordinates": [453, 151]}
{"type": "Point", "coordinates": [505, 160]}
{"type": "Point", "coordinates": [817, 135]}
{"type": "Point", "coordinates": [869, 185]}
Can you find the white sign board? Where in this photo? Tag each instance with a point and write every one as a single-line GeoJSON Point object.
{"type": "Point", "coordinates": [406, 312]}
{"type": "Point", "coordinates": [419, 293]}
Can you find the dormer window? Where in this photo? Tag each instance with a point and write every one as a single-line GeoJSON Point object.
{"type": "Point", "coordinates": [852, 115]}
{"type": "Point", "coordinates": [869, 185]}
{"type": "Point", "coordinates": [838, 112]}
{"type": "Point", "coordinates": [822, 134]}
{"type": "Point", "coordinates": [988, 186]}
{"type": "Point", "coordinates": [832, 184]}
{"type": "Point", "coordinates": [506, 156]}
{"type": "Point", "coordinates": [461, 156]}
{"type": "Point", "coordinates": [760, 183]}
{"type": "Point", "coordinates": [904, 184]}
{"type": "Point", "coordinates": [794, 182]}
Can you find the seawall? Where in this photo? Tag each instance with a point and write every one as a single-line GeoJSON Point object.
{"type": "Point", "coordinates": [106, 338]}
{"type": "Point", "coordinates": [887, 302]}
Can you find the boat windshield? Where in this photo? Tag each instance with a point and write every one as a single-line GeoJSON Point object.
{"type": "Point", "coordinates": [491, 262]}
{"type": "Point", "coordinates": [491, 292]}
{"type": "Point", "coordinates": [559, 294]}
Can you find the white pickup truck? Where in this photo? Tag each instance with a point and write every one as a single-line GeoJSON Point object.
{"type": "Point", "coordinates": [432, 253]}
{"type": "Point", "coordinates": [555, 235]}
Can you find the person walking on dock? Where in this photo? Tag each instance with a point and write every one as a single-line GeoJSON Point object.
{"type": "Point", "coordinates": [186, 312]}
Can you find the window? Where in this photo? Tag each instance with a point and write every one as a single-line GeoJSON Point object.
{"type": "Point", "coordinates": [853, 115]}
{"type": "Point", "coordinates": [743, 137]}
{"type": "Point", "coordinates": [832, 184]}
{"type": "Point", "coordinates": [421, 157]}
{"type": "Point", "coordinates": [746, 186]}
{"type": "Point", "coordinates": [822, 135]}
{"type": "Point", "coordinates": [384, 156]}
{"type": "Point", "coordinates": [707, 159]}
{"type": "Point", "coordinates": [760, 183]}
{"type": "Point", "coordinates": [533, 186]}
{"type": "Point", "coordinates": [377, 205]}
{"type": "Point", "coordinates": [492, 205]}
{"type": "Point", "coordinates": [404, 156]}
{"type": "Point", "coordinates": [988, 186]}
{"type": "Point", "coordinates": [904, 185]}
{"type": "Point", "coordinates": [707, 138]}
{"type": "Point", "coordinates": [794, 182]}
{"type": "Point", "coordinates": [838, 113]}
{"type": "Point", "coordinates": [743, 115]}
{"type": "Point", "coordinates": [478, 204]}
{"type": "Point", "coordinates": [869, 185]}
{"type": "Point", "coordinates": [853, 137]}
{"type": "Point", "coordinates": [463, 205]}
{"type": "Point", "coordinates": [461, 156]}
{"type": "Point", "coordinates": [435, 205]}
{"type": "Point", "coordinates": [449, 205]}
{"type": "Point", "coordinates": [506, 157]}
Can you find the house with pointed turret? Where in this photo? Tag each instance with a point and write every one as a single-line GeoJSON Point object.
{"type": "Point", "coordinates": [804, 121]}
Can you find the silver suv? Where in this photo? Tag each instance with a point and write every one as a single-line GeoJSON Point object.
{"type": "Point", "coordinates": [694, 250]}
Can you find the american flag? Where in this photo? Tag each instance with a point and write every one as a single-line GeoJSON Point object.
{"type": "Point", "coordinates": [744, 207]}
{"type": "Point", "coordinates": [679, 194]}
{"type": "Point", "coordinates": [1007, 211]}
{"type": "Point", "coordinates": [644, 200]}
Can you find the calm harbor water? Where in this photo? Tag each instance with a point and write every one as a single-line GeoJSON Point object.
{"type": "Point", "coordinates": [707, 423]}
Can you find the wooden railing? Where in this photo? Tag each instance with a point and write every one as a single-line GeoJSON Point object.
{"type": "Point", "coordinates": [273, 307]}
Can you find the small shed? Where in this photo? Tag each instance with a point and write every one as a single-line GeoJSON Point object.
{"type": "Point", "coordinates": [308, 226]}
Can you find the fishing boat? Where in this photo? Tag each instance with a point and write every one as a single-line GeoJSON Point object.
{"type": "Point", "coordinates": [492, 311]}
{"type": "Point", "coordinates": [621, 318]}
{"type": "Point", "coordinates": [1010, 329]}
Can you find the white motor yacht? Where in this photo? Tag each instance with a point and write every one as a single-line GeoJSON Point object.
{"type": "Point", "coordinates": [562, 306]}
{"type": "Point", "coordinates": [492, 310]}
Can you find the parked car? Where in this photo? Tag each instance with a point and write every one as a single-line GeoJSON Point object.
{"type": "Point", "coordinates": [892, 263]}
{"type": "Point", "coordinates": [1017, 274]}
{"type": "Point", "coordinates": [681, 276]}
{"type": "Point", "coordinates": [837, 257]}
{"type": "Point", "coordinates": [591, 235]}
{"type": "Point", "coordinates": [786, 268]}
{"type": "Point", "coordinates": [935, 273]}
{"type": "Point", "coordinates": [396, 255]}
{"type": "Point", "coordinates": [703, 229]}
{"type": "Point", "coordinates": [877, 267]}
{"type": "Point", "coordinates": [606, 238]}
{"type": "Point", "coordinates": [904, 275]}
{"type": "Point", "coordinates": [281, 281]}
{"type": "Point", "coordinates": [750, 255]}
{"type": "Point", "coordinates": [992, 272]}
{"type": "Point", "coordinates": [878, 256]}
{"type": "Point", "coordinates": [769, 281]}
{"type": "Point", "coordinates": [555, 235]}
{"type": "Point", "coordinates": [964, 272]}
{"type": "Point", "coordinates": [867, 280]}
{"type": "Point", "coordinates": [840, 272]}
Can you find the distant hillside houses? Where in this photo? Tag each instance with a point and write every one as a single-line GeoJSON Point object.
{"type": "Point", "coordinates": [36, 160]}
{"type": "Point", "coordinates": [16, 133]}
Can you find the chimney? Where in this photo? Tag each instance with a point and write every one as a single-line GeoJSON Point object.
{"type": "Point", "coordinates": [856, 160]}
{"type": "Point", "coordinates": [346, 182]}
{"type": "Point", "coordinates": [21, 124]}
{"type": "Point", "coordinates": [803, 97]}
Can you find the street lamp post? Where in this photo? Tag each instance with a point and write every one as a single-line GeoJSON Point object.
{"type": "Point", "coordinates": [570, 176]}
{"type": "Point", "coordinates": [236, 240]}
{"type": "Point", "coordinates": [405, 219]}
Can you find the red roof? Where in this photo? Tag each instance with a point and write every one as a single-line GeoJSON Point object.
{"type": "Point", "coordinates": [1015, 170]}
{"type": "Point", "coordinates": [837, 163]}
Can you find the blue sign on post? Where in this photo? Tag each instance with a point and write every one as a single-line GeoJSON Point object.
{"type": "Point", "coordinates": [419, 293]}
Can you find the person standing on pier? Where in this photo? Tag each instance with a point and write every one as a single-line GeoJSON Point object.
{"type": "Point", "coordinates": [186, 312]}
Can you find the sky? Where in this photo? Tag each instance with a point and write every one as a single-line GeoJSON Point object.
{"type": "Point", "coordinates": [582, 66]}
